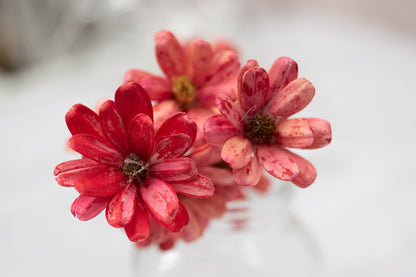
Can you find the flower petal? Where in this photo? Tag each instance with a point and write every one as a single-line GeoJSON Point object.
{"type": "Point", "coordinates": [163, 111]}
{"type": "Point", "coordinates": [175, 170]}
{"type": "Point", "coordinates": [307, 172]}
{"type": "Point", "coordinates": [206, 95]}
{"type": "Point", "coordinates": [217, 130]}
{"type": "Point", "coordinates": [82, 120]}
{"type": "Point", "coordinates": [74, 164]}
{"type": "Point", "coordinates": [100, 184]}
{"type": "Point", "coordinates": [206, 155]}
{"type": "Point", "coordinates": [249, 175]}
{"type": "Point", "coordinates": [198, 55]}
{"type": "Point", "coordinates": [113, 126]}
{"type": "Point", "coordinates": [277, 161]}
{"type": "Point", "coordinates": [178, 123]}
{"type": "Point", "coordinates": [88, 207]}
{"type": "Point", "coordinates": [67, 178]}
{"type": "Point", "coordinates": [219, 176]}
{"type": "Point", "coordinates": [291, 99]}
{"type": "Point", "coordinates": [131, 99]}
{"type": "Point", "coordinates": [199, 187]}
{"type": "Point", "coordinates": [294, 133]}
{"type": "Point", "coordinates": [171, 147]}
{"type": "Point", "coordinates": [224, 65]}
{"type": "Point", "coordinates": [283, 71]}
{"type": "Point", "coordinates": [170, 54]}
{"type": "Point", "coordinates": [230, 110]}
{"type": "Point", "coordinates": [160, 199]}
{"type": "Point", "coordinates": [135, 76]}
{"type": "Point", "coordinates": [138, 228]}
{"type": "Point", "coordinates": [140, 136]}
{"type": "Point", "coordinates": [253, 90]}
{"type": "Point", "coordinates": [158, 88]}
{"type": "Point", "coordinates": [322, 133]}
{"type": "Point", "coordinates": [181, 219]}
{"type": "Point", "coordinates": [95, 149]}
{"type": "Point", "coordinates": [237, 152]}
{"type": "Point", "coordinates": [121, 208]}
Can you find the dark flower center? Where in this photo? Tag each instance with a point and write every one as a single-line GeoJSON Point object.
{"type": "Point", "coordinates": [184, 91]}
{"type": "Point", "coordinates": [260, 128]}
{"type": "Point", "coordinates": [136, 168]}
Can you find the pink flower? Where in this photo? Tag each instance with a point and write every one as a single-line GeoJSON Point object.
{"type": "Point", "coordinates": [130, 169]}
{"type": "Point", "coordinates": [255, 131]}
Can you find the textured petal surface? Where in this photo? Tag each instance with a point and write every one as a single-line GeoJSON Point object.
{"type": "Point", "coordinates": [223, 66]}
{"type": "Point", "coordinates": [237, 152]}
{"type": "Point", "coordinates": [100, 184]}
{"type": "Point", "coordinates": [253, 90]}
{"type": "Point", "coordinates": [160, 199]}
{"type": "Point", "coordinates": [249, 175]}
{"type": "Point", "coordinates": [139, 228]}
{"type": "Point", "coordinates": [170, 54]}
{"type": "Point", "coordinates": [175, 170]}
{"type": "Point", "coordinates": [230, 111]}
{"type": "Point", "coordinates": [121, 208]}
{"type": "Point", "coordinates": [135, 76]}
{"type": "Point", "coordinates": [198, 55]}
{"type": "Point", "coordinates": [283, 71]}
{"type": "Point", "coordinates": [140, 135]}
{"type": "Point", "coordinates": [82, 120]}
{"type": "Point", "coordinates": [295, 133]}
{"type": "Point", "coordinates": [171, 147]}
{"type": "Point", "coordinates": [74, 164]}
{"type": "Point", "coordinates": [277, 162]}
{"type": "Point", "coordinates": [217, 130]}
{"type": "Point", "coordinates": [322, 134]}
{"type": "Point", "coordinates": [67, 178]}
{"type": "Point", "coordinates": [95, 149]}
{"type": "Point", "coordinates": [180, 220]}
{"type": "Point", "coordinates": [159, 89]}
{"type": "Point", "coordinates": [163, 111]}
{"type": "Point", "coordinates": [178, 123]}
{"type": "Point", "coordinates": [88, 207]}
{"type": "Point", "coordinates": [291, 99]}
{"type": "Point", "coordinates": [307, 172]}
{"type": "Point", "coordinates": [131, 99]}
{"type": "Point", "coordinates": [200, 187]}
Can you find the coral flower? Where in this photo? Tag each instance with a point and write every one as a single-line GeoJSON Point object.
{"type": "Point", "coordinates": [130, 169]}
{"type": "Point", "coordinates": [255, 131]}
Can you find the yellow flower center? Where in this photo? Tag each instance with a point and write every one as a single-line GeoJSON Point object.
{"type": "Point", "coordinates": [184, 91]}
{"type": "Point", "coordinates": [260, 128]}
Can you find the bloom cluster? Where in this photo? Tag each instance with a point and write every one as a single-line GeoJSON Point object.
{"type": "Point", "coordinates": [169, 152]}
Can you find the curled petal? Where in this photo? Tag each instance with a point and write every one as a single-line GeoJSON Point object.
{"type": "Point", "coordinates": [138, 229]}
{"type": "Point", "coordinates": [159, 89]}
{"type": "Point", "coordinates": [131, 99]}
{"type": "Point", "coordinates": [171, 147]}
{"type": "Point", "coordinates": [160, 199]}
{"type": "Point", "coordinates": [163, 111]}
{"type": "Point", "coordinates": [135, 76]}
{"type": "Point", "coordinates": [277, 161]}
{"type": "Point", "coordinates": [67, 178]}
{"type": "Point", "coordinates": [170, 54]}
{"type": "Point", "coordinates": [283, 71]}
{"type": "Point", "coordinates": [175, 170]}
{"type": "Point", "coordinates": [322, 134]}
{"type": "Point", "coordinates": [121, 208]}
{"type": "Point", "coordinates": [181, 219]}
{"type": "Point", "coordinates": [249, 64]}
{"type": "Point", "coordinates": [88, 207]}
{"type": "Point", "coordinates": [178, 123]}
{"type": "Point", "coordinates": [237, 152]}
{"type": "Point", "coordinates": [230, 110]}
{"type": "Point", "coordinates": [100, 184]}
{"type": "Point", "coordinates": [248, 175]}
{"type": "Point", "coordinates": [200, 187]}
{"type": "Point", "coordinates": [198, 55]}
{"type": "Point", "coordinates": [95, 149]}
{"type": "Point", "coordinates": [74, 164]}
{"type": "Point", "coordinates": [291, 99]}
{"type": "Point", "coordinates": [140, 136]}
{"type": "Point", "coordinates": [253, 90]}
{"type": "Point", "coordinates": [295, 133]}
{"type": "Point", "coordinates": [223, 66]}
{"type": "Point", "coordinates": [217, 130]}
{"type": "Point", "coordinates": [82, 120]}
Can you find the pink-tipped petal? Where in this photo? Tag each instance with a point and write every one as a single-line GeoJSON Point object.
{"type": "Point", "coordinates": [178, 123]}
{"type": "Point", "coordinates": [138, 229]}
{"type": "Point", "coordinates": [277, 161]}
{"type": "Point", "coordinates": [249, 175]}
{"type": "Point", "coordinates": [230, 110]}
{"type": "Point", "coordinates": [253, 90]}
{"type": "Point", "coordinates": [159, 89]}
{"type": "Point", "coordinates": [291, 99]}
{"type": "Point", "coordinates": [67, 178]}
{"type": "Point", "coordinates": [131, 99]}
{"type": "Point", "coordinates": [88, 207]}
{"type": "Point", "coordinates": [175, 170]}
{"type": "Point", "coordinates": [121, 208]}
{"type": "Point", "coordinates": [206, 95]}
{"type": "Point", "coordinates": [307, 172]}
{"type": "Point", "coordinates": [163, 111]}
{"type": "Point", "coordinates": [217, 130]}
{"type": "Point", "coordinates": [224, 65]}
{"type": "Point", "coordinates": [140, 136]}
{"type": "Point", "coordinates": [113, 126]}
{"type": "Point", "coordinates": [199, 187]}
{"type": "Point", "coordinates": [82, 120]}
{"type": "Point", "coordinates": [321, 132]}
{"type": "Point", "coordinates": [237, 152]}
{"type": "Point", "coordinates": [171, 147]}
{"type": "Point", "coordinates": [249, 64]}
{"type": "Point", "coordinates": [170, 54]}
{"type": "Point", "coordinates": [100, 184]}
{"type": "Point", "coordinates": [283, 71]}
{"type": "Point", "coordinates": [294, 133]}
{"type": "Point", "coordinates": [198, 55]}
{"type": "Point", "coordinates": [74, 164]}
{"type": "Point", "coordinates": [160, 199]}
{"type": "Point", "coordinates": [181, 219]}
{"type": "Point", "coordinates": [95, 149]}
{"type": "Point", "coordinates": [135, 76]}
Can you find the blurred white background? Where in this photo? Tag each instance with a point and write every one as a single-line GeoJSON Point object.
{"type": "Point", "coordinates": [360, 55]}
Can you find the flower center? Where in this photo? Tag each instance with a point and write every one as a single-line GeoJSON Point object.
{"type": "Point", "coordinates": [135, 168]}
{"type": "Point", "coordinates": [260, 128]}
{"type": "Point", "coordinates": [184, 91]}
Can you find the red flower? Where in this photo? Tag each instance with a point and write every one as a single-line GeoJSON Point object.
{"type": "Point", "coordinates": [130, 169]}
{"type": "Point", "coordinates": [255, 130]}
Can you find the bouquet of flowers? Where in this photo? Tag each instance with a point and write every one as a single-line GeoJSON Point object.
{"type": "Point", "coordinates": [169, 152]}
